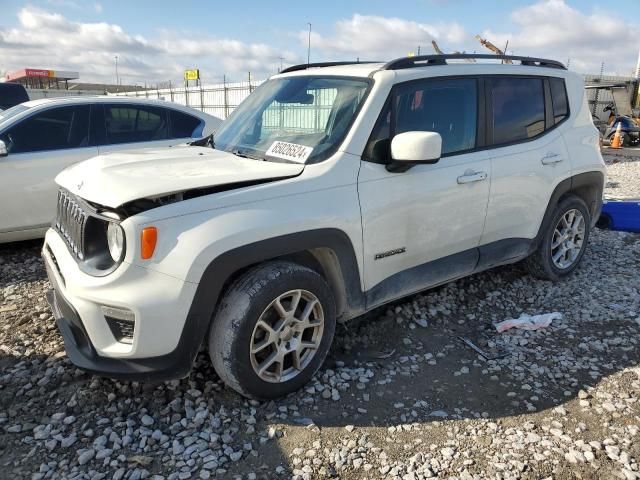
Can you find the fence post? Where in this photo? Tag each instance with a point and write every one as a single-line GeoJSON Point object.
{"type": "Point", "coordinates": [226, 96]}
{"type": "Point", "coordinates": [201, 97]}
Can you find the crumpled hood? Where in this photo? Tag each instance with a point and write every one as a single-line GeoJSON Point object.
{"type": "Point", "coordinates": [114, 179]}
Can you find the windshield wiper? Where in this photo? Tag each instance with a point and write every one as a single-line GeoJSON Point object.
{"type": "Point", "coordinates": [204, 142]}
{"type": "Point", "coordinates": [243, 154]}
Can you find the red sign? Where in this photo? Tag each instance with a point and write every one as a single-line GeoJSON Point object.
{"type": "Point", "coordinates": [33, 72]}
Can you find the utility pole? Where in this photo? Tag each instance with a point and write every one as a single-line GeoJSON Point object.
{"type": "Point", "coordinates": [117, 77]}
{"type": "Point", "coordinates": [309, 45]}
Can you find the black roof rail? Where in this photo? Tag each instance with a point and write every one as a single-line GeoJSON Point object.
{"type": "Point", "coordinates": [304, 66]}
{"type": "Point", "coordinates": [427, 60]}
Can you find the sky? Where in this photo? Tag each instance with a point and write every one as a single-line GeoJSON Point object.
{"type": "Point", "coordinates": [155, 41]}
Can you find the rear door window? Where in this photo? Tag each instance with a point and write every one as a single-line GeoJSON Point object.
{"type": "Point", "coordinates": [133, 123]}
{"type": "Point", "coordinates": [559, 99]}
{"type": "Point", "coordinates": [182, 124]}
{"type": "Point", "coordinates": [53, 129]}
{"type": "Point", "coordinates": [517, 109]}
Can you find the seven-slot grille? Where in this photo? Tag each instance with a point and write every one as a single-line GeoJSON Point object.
{"type": "Point", "coordinates": [70, 222]}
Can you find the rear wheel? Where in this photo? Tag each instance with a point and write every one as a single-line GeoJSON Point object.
{"type": "Point", "coordinates": [273, 330]}
{"type": "Point", "coordinates": [564, 243]}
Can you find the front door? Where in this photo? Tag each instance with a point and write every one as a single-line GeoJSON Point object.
{"type": "Point", "coordinates": [40, 147]}
{"type": "Point", "coordinates": [423, 226]}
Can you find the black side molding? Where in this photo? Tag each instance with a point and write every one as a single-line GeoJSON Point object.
{"type": "Point", "coordinates": [223, 267]}
{"type": "Point", "coordinates": [589, 184]}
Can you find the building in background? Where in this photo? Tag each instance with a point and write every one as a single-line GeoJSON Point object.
{"type": "Point", "coordinates": [42, 78]}
{"type": "Point", "coordinates": [44, 83]}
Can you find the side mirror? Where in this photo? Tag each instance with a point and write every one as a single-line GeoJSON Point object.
{"type": "Point", "coordinates": [3, 149]}
{"type": "Point", "coordinates": [411, 148]}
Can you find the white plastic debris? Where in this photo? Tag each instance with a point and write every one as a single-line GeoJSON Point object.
{"type": "Point", "coordinates": [528, 322]}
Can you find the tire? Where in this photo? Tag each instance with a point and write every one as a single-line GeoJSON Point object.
{"type": "Point", "coordinates": [251, 298]}
{"type": "Point", "coordinates": [604, 222]}
{"type": "Point", "coordinates": [541, 263]}
{"type": "Point", "coordinates": [624, 139]}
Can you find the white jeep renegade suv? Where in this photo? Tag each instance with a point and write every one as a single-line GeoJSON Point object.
{"type": "Point", "coordinates": [333, 189]}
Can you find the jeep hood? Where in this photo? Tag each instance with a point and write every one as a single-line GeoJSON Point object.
{"type": "Point", "coordinates": [114, 179]}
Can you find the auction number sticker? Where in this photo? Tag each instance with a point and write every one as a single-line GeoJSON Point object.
{"type": "Point", "coordinates": [289, 151]}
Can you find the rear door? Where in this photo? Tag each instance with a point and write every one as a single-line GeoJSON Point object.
{"type": "Point", "coordinates": [528, 154]}
{"type": "Point", "coordinates": [131, 126]}
{"type": "Point", "coordinates": [40, 146]}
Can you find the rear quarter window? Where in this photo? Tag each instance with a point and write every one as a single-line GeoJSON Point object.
{"type": "Point", "coordinates": [182, 124]}
{"type": "Point", "coordinates": [559, 99]}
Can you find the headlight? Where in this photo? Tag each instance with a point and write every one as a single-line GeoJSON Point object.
{"type": "Point", "coordinates": [115, 240]}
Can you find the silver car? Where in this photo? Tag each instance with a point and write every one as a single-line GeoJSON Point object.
{"type": "Point", "coordinates": [40, 138]}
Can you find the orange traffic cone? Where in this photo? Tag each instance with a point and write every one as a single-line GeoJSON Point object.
{"type": "Point", "coordinates": [617, 138]}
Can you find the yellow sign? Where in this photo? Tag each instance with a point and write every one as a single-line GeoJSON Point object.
{"type": "Point", "coordinates": [192, 74]}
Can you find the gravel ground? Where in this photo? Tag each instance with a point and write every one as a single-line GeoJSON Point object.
{"type": "Point", "coordinates": [401, 396]}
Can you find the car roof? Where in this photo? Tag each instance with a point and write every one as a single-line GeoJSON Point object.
{"type": "Point", "coordinates": [11, 86]}
{"type": "Point", "coordinates": [93, 99]}
{"type": "Point", "coordinates": [80, 99]}
{"type": "Point", "coordinates": [350, 70]}
{"type": "Point", "coordinates": [454, 68]}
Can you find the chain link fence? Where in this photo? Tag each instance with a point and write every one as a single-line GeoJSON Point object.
{"type": "Point", "coordinates": [218, 99]}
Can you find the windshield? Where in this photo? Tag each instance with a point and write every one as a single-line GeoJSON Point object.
{"type": "Point", "coordinates": [7, 114]}
{"type": "Point", "coordinates": [293, 119]}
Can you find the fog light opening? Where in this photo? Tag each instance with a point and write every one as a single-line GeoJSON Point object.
{"type": "Point", "coordinates": [121, 323]}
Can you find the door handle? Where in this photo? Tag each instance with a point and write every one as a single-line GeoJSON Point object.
{"type": "Point", "coordinates": [470, 177]}
{"type": "Point", "coordinates": [551, 158]}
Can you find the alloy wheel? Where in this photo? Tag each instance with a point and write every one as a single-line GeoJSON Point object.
{"type": "Point", "coordinates": [568, 239]}
{"type": "Point", "coordinates": [287, 336]}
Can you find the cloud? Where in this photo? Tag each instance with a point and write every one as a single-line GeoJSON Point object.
{"type": "Point", "coordinates": [44, 39]}
{"type": "Point", "coordinates": [369, 36]}
{"type": "Point", "coordinates": [554, 29]}
{"type": "Point", "coordinates": [545, 28]}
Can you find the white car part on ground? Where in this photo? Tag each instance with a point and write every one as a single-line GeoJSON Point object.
{"type": "Point", "coordinates": [528, 322]}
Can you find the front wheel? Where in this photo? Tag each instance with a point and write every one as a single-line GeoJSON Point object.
{"type": "Point", "coordinates": [272, 330]}
{"type": "Point", "coordinates": [564, 243]}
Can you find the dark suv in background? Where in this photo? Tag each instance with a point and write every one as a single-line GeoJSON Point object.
{"type": "Point", "coordinates": [12, 94]}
